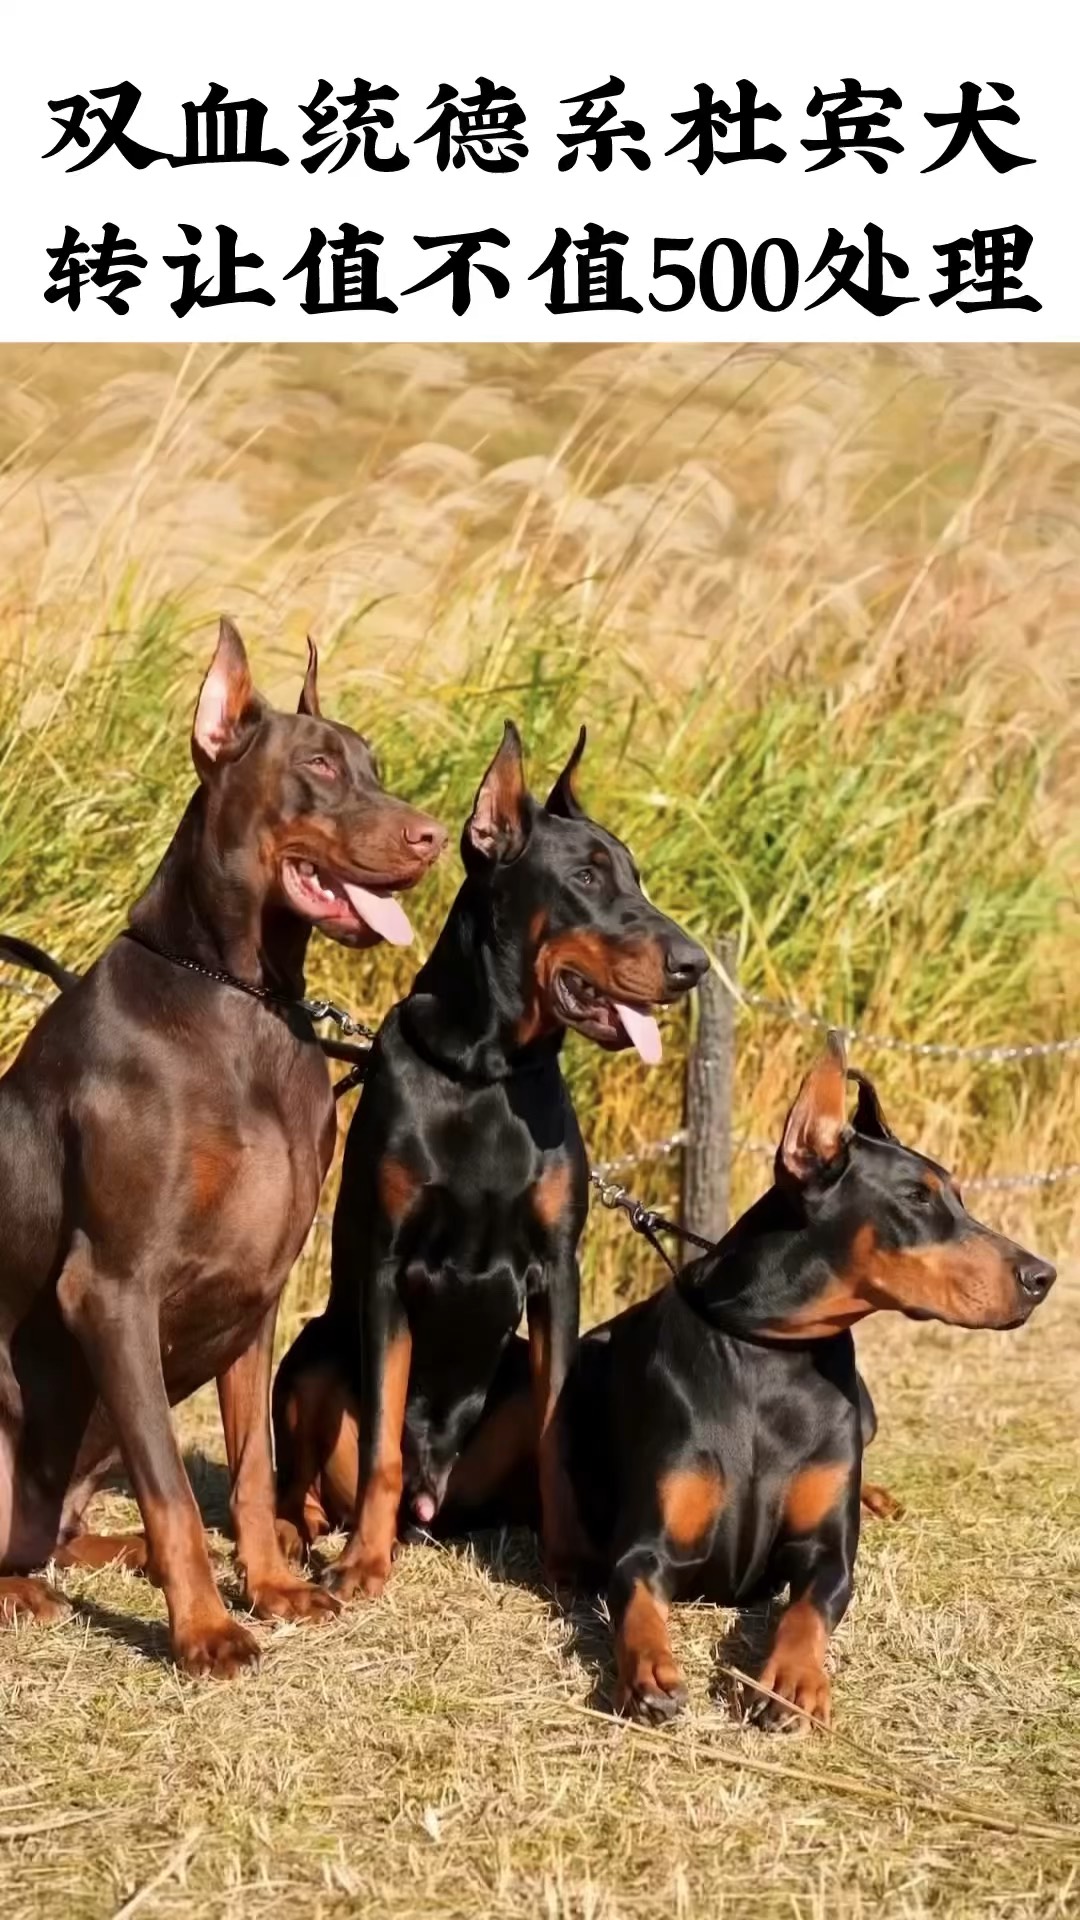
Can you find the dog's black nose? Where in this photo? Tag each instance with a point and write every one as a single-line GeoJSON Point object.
{"type": "Point", "coordinates": [1035, 1277]}
{"type": "Point", "coordinates": [684, 962]}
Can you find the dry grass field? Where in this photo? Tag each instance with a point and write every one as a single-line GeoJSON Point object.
{"type": "Point", "coordinates": [821, 611]}
{"type": "Point", "coordinates": [448, 1751]}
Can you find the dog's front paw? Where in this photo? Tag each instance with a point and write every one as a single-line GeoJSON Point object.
{"type": "Point", "coordinates": [22, 1600]}
{"type": "Point", "coordinates": [288, 1597]}
{"type": "Point", "coordinates": [216, 1649]}
{"type": "Point", "coordinates": [292, 1544]}
{"type": "Point", "coordinates": [653, 1692]}
{"type": "Point", "coordinates": [346, 1578]}
{"type": "Point", "coordinates": [802, 1687]}
{"type": "Point", "coordinates": [880, 1502]}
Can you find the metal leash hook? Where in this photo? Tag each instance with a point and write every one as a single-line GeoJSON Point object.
{"type": "Point", "coordinates": [357, 1056]}
{"type": "Point", "coordinates": [326, 1010]}
{"type": "Point", "coordinates": [612, 1195]}
{"type": "Point", "coordinates": [644, 1221]}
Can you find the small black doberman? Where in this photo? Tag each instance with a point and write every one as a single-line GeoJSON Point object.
{"type": "Point", "coordinates": [714, 1433]}
{"type": "Point", "coordinates": [164, 1133]}
{"type": "Point", "coordinates": [464, 1186]}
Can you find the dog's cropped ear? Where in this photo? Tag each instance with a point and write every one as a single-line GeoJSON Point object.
{"type": "Point", "coordinates": [498, 825]}
{"type": "Point", "coordinates": [816, 1131]}
{"type": "Point", "coordinates": [563, 800]}
{"type": "Point", "coordinates": [309, 692]}
{"type": "Point", "coordinates": [868, 1118]}
{"type": "Point", "coordinates": [229, 706]}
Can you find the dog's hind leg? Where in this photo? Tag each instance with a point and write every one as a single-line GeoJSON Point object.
{"type": "Point", "coordinates": [316, 1444]}
{"type": "Point", "coordinates": [105, 1550]}
{"type": "Point", "coordinates": [876, 1499]}
{"type": "Point", "coordinates": [22, 1545]}
{"type": "Point", "coordinates": [271, 1586]}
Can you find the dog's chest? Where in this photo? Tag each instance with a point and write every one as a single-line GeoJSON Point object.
{"type": "Point", "coordinates": [776, 1492]}
{"type": "Point", "coordinates": [492, 1197]}
{"type": "Point", "coordinates": [754, 1453]}
{"type": "Point", "coordinates": [246, 1178]}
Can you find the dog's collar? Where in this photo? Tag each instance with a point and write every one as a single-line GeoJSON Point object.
{"type": "Point", "coordinates": [747, 1336]}
{"type": "Point", "coordinates": [218, 974]}
{"type": "Point", "coordinates": [414, 1027]}
{"type": "Point", "coordinates": [268, 995]}
{"type": "Point", "coordinates": [271, 996]}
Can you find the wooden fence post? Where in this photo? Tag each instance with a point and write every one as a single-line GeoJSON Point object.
{"type": "Point", "coordinates": [707, 1110]}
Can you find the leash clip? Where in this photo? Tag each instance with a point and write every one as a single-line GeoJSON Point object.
{"type": "Point", "coordinates": [610, 1194]}
{"type": "Point", "coordinates": [326, 1010]}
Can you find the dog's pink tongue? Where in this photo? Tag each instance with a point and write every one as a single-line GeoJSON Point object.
{"type": "Point", "coordinates": [643, 1031]}
{"type": "Point", "coordinates": [383, 915]}
{"type": "Point", "coordinates": [424, 1508]}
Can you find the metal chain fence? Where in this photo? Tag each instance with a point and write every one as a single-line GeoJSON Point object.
{"type": "Point", "coordinates": [994, 1054]}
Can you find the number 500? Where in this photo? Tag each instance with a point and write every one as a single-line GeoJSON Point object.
{"type": "Point", "coordinates": [773, 271]}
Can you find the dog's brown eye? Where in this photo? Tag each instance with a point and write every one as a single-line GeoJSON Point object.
{"type": "Point", "coordinates": [921, 1196]}
{"type": "Point", "coordinates": [585, 877]}
{"type": "Point", "coordinates": [325, 768]}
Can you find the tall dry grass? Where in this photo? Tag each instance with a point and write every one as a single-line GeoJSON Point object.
{"type": "Point", "coordinates": [819, 605]}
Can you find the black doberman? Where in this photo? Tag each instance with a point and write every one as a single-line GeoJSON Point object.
{"type": "Point", "coordinates": [164, 1133]}
{"type": "Point", "coordinates": [714, 1433]}
{"type": "Point", "coordinates": [464, 1186]}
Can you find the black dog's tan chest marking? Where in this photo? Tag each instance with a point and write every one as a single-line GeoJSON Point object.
{"type": "Point", "coordinates": [476, 1227]}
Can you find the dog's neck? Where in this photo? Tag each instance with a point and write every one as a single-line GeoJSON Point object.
{"type": "Point", "coordinates": [767, 1267]}
{"type": "Point", "coordinates": [209, 902]}
{"type": "Point", "coordinates": [467, 1007]}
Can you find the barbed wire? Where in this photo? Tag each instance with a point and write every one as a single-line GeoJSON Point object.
{"type": "Point", "coordinates": [982, 1183]}
{"type": "Point", "coordinates": [994, 1053]}
{"type": "Point", "coordinates": [674, 1143]}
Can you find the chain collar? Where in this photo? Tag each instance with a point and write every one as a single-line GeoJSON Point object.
{"type": "Point", "coordinates": [316, 1010]}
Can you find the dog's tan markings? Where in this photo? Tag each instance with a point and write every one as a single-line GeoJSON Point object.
{"type": "Point", "coordinates": [647, 1667]}
{"type": "Point", "coordinates": [691, 1499]}
{"type": "Point", "coordinates": [813, 1493]}
{"type": "Point", "coordinates": [967, 1282]}
{"type": "Point", "coordinates": [30, 1600]}
{"type": "Point", "coordinates": [213, 1170]}
{"type": "Point", "coordinates": [623, 969]}
{"type": "Point", "coordinates": [502, 1441]}
{"type": "Point", "coordinates": [795, 1667]}
{"type": "Point", "coordinates": [365, 1563]}
{"type": "Point", "coordinates": [204, 1637]}
{"type": "Point", "coordinates": [551, 1194]}
{"type": "Point", "coordinates": [321, 1419]}
{"type": "Point", "coordinates": [398, 1188]}
{"type": "Point", "coordinates": [837, 1307]}
{"type": "Point", "coordinates": [105, 1550]}
{"type": "Point", "coordinates": [880, 1502]}
{"type": "Point", "coordinates": [376, 836]}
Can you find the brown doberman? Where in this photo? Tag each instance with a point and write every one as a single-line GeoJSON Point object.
{"type": "Point", "coordinates": [164, 1133]}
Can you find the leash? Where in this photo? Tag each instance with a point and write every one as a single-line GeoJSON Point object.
{"type": "Point", "coordinates": [316, 1009]}
{"type": "Point", "coordinates": [649, 1224]}
{"type": "Point", "coordinates": [358, 1056]}
{"type": "Point", "coordinates": [645, 1221]}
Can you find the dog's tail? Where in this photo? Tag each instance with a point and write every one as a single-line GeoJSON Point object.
{"type": "Point", "coordinates": [23, 953]}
